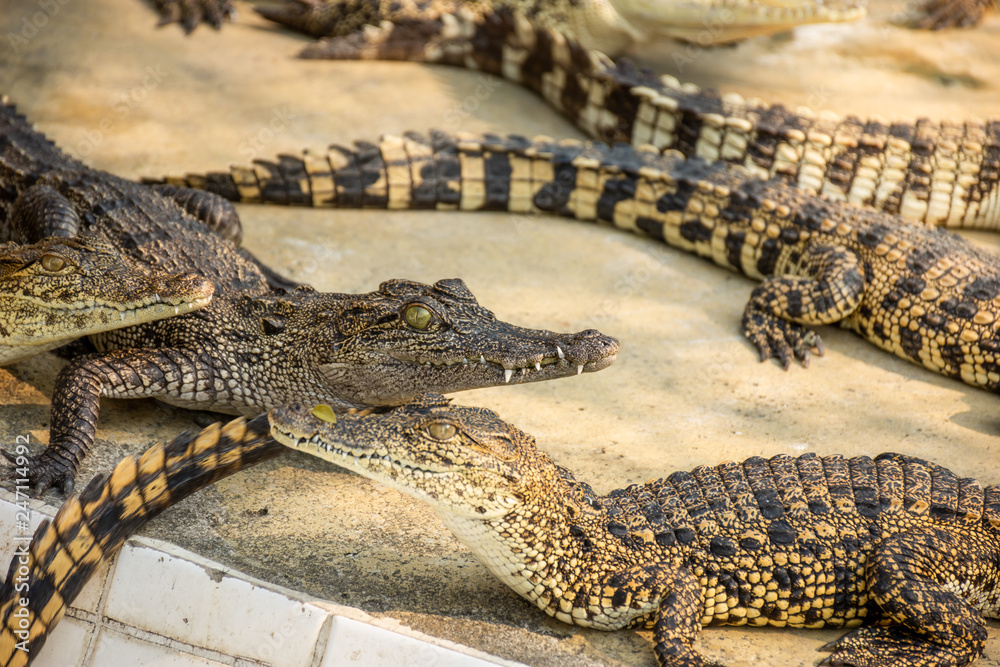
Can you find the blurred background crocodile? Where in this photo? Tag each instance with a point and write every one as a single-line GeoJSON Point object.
{"type": "Point", "coordinates": [609, 26]}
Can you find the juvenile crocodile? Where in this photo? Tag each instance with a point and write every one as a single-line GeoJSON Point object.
{"type": "Point", "coordinates": [899, 545]}
{"type": "Point", "coordinates": [942, 173]}
{"type": "Point", "coordinates": [610, 26]}
{"type": "Point", "coordinates": [58, 290]}
{"type": "Point", "coordinates": [923, 294]}
{"type": "Point", "coordinates": [254, 346]}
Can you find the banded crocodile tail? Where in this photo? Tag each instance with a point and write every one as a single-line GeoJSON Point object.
{"type": "Point", "coordinates": [942, 173]}
{"type": "Point", "coordinates": [90, 527]}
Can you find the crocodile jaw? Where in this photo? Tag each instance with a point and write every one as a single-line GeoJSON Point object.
{"type": "Point", "coordinates": [355, 442]}
{"type": "Point", "coordinates": [388, 380]}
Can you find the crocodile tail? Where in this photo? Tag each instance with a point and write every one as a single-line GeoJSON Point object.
{"type": "Point", "coordinates": [941, 173]}
{"type": "Point", "coordinates": [47, 575]}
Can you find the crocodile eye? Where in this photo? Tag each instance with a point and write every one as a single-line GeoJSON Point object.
{"type": "Point", "coordinates": [53, 263]}
{"type": "Point", "coordinates": [417, 317]}
{"type": "Point", "coordinates": [442, 430]}
{"type": "Point", "coordinates": [324, 413]}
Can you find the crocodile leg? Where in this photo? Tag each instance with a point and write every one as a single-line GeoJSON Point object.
{"type": "Point", "coordinates": [217, 213]}
{"type": "Point", "coordinates": [824, 287]}
{"type": "Point", "coordinates": [913, 576]}
{"type": "Point", "coordinates": [678, 623]}
{"type": "Point", "coordinates": [91, 527]}
{"type": "Point", "coordinates": [40, 212]}
{"type": "Point", "coordinates": [192, 13]}
{"type": "Point", "coordinates": [76, 401]}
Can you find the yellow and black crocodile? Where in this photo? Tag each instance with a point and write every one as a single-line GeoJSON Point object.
{"type": "Point", "coordinates": [900, 546]}
{"type": "Point", "coordinates": [922, 293]}
{"type": "Point", "coordinates": [897, 545]}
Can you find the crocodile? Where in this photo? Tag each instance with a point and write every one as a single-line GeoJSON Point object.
{"type": "Point", "coordinates": [900, 546]}
{"type": "Point", "coordinates": [58, 290]}
{"type": "Point", "coordinates": [897, 545]}
{"type": "Point", "coordinates": [943, 173]}
{"type": "Point", "coordinates": [922, 293]}
{"type": "Point", "coordinates": [257, 344]}
{"type": "Point", "coordinates": [610, 26]}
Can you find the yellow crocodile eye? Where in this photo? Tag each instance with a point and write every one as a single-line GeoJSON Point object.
{"type": "Point", "coordinates": [53, 263]}
{"type": "Point", "coordinates": [325, 413]}
{"type": "Point", "coordinates": [442, 430]}
{"type": "Point", "coordinates": [417, 317]}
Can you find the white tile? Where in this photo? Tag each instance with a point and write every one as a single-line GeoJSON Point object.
{"type": "Point", "coordinates": [361, 645]}
{"type": "Point", "coordinates": [118, 650]}
{"type": "Point", "coordinates": [157, 592]}
{"type": "Point", "coordinates": [10, 514]}
{"type": "Point", "coordinates": [67, 644]}
{"type": "Point", "coordinates": [89, 598]}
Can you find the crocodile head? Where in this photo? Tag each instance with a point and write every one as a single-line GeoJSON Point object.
{"type": "Point", "coordinates": [60, 289]}
{"type": "Point", "coordinates": [465, 462]}
{"type": "Point", "coordinates": [408, 338]}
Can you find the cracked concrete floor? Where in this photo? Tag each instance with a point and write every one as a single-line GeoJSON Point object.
{"type": "Point", "coordinates": [101, 81]}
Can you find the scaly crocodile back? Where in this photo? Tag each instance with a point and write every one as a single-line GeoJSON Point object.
{"type": "Point", "coordinates": [781, 541]}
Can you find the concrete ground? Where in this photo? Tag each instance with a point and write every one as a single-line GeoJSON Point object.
{"type": "Point", "coordinates": [104, 83]}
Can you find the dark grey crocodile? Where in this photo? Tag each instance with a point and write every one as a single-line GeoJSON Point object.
{"type": "Point", "coordinates": [257, 344]}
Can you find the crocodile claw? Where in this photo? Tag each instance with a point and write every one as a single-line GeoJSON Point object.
{"type": "Point", "coordinates": [887, 647]}
{"type": "Point", "coordinates": [781, 339]}
{"type": "Point", "coordinates": [42, 472]}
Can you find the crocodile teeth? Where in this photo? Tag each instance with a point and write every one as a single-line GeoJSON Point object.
{"type": "Point", "coordinates": [507, 373]}
{"type": "Point", "coordinates": [538, 366]}
{"type": "Point", "coordinates": [579, 368]}
{"type": "Point", "coordinates": [482, 359]}
{"type": "Point", "coordinates": [560, 352]}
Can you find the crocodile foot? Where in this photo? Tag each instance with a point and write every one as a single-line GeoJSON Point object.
{"type": "Point", "coordinates": [781, 339]}
{"type": "Point", "coordinates": [888, 647]}
{"type": "Point", "coordinates": [40, 472]}
{"type": "Point", "coordinates": [192, 13]}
